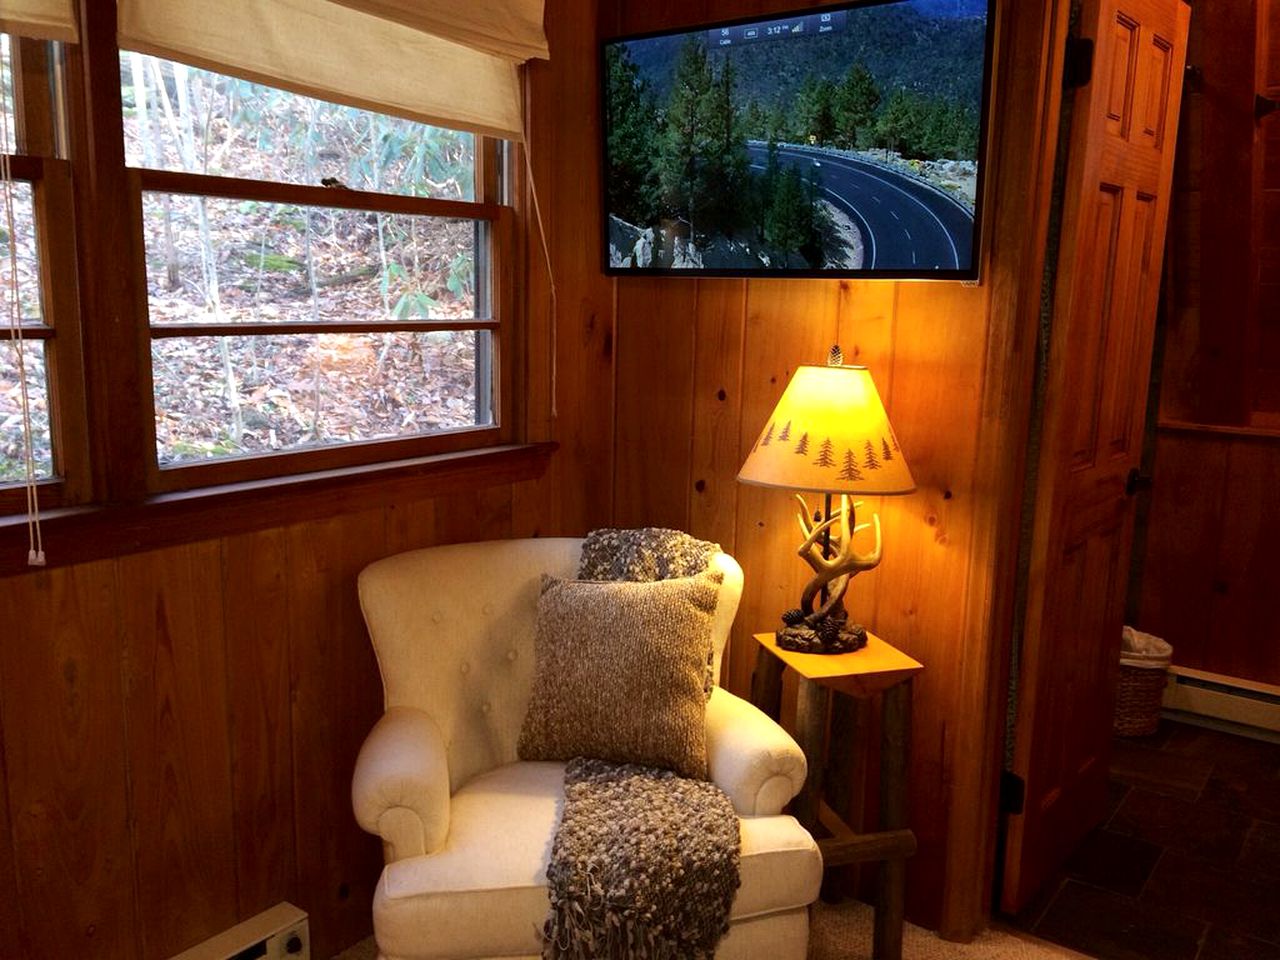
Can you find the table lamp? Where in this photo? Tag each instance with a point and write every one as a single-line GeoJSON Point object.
{"type": "Point", "coordinates": [829, 434]}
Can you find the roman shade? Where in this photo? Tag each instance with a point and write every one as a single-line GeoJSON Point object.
{"type": "Point", "coordinates": [505, 28]}
{"type": "Point", "coordinates": [423, 60]}
{"type": "Point", "coordinates": [42, 19]}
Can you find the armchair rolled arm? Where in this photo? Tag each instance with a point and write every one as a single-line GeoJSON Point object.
{"type": "Point", "coordinates": [400, 788]}
{"type": "Point", "coordinates": [750, 757]}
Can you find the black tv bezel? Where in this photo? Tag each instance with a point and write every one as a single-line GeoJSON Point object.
{"type": "Point", "coordinates": [971, 275]}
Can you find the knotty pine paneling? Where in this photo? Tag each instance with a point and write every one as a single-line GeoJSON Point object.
{"type": "Point", "coordinates": [337, 697]}
{"type": "Point", "coordinates": [175, 670]}
{"type": "Point", "coordinates": [576, 322]}
{"type": "Point", "coordinates": [1209, 570]}
{"type": "Point", "coordinates": [255, 616]}
{"type": "Point", "coordinates": [12, 943]}
{"type": "Point", "coordinates": [719, 328]}
{"type": "Point", "coordinates": [1181, 548]}
{"type": "Point", "coordinates": [63, 716]}
{"type": "Point", "coordinates": [1245, 631]}
{"type": "Point", "coordinates": [179, 730]}
{"type": "Point", "coordinates": [1210, 339]}
{"type": "Point", "coordinates": [656, 330]}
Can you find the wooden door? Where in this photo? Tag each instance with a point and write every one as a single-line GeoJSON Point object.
{"type": "Point", "coordinates": [1115, 208]}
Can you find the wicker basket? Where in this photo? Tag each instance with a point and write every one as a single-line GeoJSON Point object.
{"type": "Point", "coordinates": [1144, 663]}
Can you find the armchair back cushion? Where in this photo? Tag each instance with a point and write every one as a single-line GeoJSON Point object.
{"type": "Point", "coordinates": [453, 631]}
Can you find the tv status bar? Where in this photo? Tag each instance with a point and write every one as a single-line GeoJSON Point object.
{"type": "Point", "coordinates": [808, 25]}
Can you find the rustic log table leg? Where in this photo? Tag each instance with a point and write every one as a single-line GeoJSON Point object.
{"type": "Point", "coordinates": [891, 889]}
{"type": "Point", "coordinates": [766, 683]}
{"type": "Point", "coordinates": [811, 732]}
{"type": "Point", "coordinates": [844, 781]}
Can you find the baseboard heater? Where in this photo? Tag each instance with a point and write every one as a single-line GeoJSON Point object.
{"type": "Point", "coordinates": [281, 933]}
{"type": "Point", "coordinates": [1230, 699]}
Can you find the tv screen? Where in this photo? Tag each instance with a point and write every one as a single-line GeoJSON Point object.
{"type": "Point", "coordinates": [839, 141]}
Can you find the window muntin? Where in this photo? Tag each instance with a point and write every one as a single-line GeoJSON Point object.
{"type": "Point", "coordinates": [198, 121]}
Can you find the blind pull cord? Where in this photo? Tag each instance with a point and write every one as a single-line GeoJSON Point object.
{"type": "Point", "coordinates": [551, 276]}
{"type": "Point", "coordinates": [35, 538]}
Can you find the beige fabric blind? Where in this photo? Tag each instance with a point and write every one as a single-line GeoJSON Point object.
{"type": "Point", "coordinates": [506, 28]}
{"type": "Point", "coordinates": [42, 19]}
{"type": "Point", "coordinates": [327, 50]}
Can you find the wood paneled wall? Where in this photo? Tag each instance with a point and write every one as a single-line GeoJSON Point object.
{"type": "Point", "coordinates": [1210, 572]}
{"type": "Point", "coordinates": [1222, 300]}
{"type": "Point", "coordinates": [179, 730]}
{"type": "Point", "coordinates": [700, 365]}
{"type": "Point", "coordinates": [1206, 577]}
{"type": "Point", "coordinates": [178, 727]}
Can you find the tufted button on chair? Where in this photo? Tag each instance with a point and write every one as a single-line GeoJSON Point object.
{"type": "Point", "coordinates": [466, 827]}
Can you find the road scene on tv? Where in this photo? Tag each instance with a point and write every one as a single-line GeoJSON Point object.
{"type": "Point", "coordinates": [839, 140]}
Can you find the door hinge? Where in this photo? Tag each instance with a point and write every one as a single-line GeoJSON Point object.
{"type": "Point", "coordinates": [1013, 792]}
{"type": "Point", "coordinates": [1136, 482]}
{"type": "Point", "coordinates": [1078, 69]}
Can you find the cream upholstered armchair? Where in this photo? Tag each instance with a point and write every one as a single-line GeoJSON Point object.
{"type": "Point", "coordinates": [466, 827]}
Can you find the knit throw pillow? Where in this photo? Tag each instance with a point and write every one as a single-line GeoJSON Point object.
{"type": "Point", "coordinates": [619, 670]}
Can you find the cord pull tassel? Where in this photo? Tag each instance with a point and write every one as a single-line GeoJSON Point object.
{"type": "Point", "coordinates": [35, 558]}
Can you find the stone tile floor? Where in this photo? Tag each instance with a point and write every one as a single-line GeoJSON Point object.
{"type": "Point", "coordinates": [1187, 866]}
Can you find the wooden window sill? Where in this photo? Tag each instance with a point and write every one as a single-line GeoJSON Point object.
{"type": "Point", "coordinates": [81, 534]}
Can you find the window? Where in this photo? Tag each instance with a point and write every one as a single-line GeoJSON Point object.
{"type": "Point", "coordinates": [318, 278]}
{"type": "Point", "coordinates": [48, 352]}
{"type": "Point", "coordinates": [311, 286]}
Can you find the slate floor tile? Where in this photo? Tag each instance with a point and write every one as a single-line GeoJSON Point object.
{"type": "Point", "coordinates": [1224, 945]}
{"type": "Point", "coordinates": [1159, 771]}
{"type": "Point", "coordinates": [1035, 909]}
{"type": "Point", "coordinates": [1116, 794]}
{"type": "Point", "coordinates": [1113, 927]}
{"type": "Point", "coordinates": [1245, 790]}
{"type": "Point", "coordinates": [1206, 832]}
{"type": "Point", "coordinates": [1114, 862]}
{"type": "Point", "coordinates": [1240, 902]}
{"type": "Point", "coordinates": [1191, 741]}
{"type": "Point", "coordinates": [1261, 851]}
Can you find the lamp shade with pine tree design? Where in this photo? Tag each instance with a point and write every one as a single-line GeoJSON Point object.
{"type": "Point", "coordinates": [829, 433]}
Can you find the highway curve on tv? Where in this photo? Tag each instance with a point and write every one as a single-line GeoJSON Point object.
{"type": "Point", "coordinates": [906, 224]}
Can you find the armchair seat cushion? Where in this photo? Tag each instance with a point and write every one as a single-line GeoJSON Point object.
{"type": "Point", "coordinates": [483, 894]}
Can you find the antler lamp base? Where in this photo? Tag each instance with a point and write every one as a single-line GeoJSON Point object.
{"type": "Point", "coordinates": [821, 624]}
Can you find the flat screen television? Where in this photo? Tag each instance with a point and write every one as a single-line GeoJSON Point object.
{"type": "Point", "coordinates": [841, 141]}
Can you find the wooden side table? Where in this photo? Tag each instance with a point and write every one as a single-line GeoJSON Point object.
{"type": "Point", "coordinates": [878, 668]}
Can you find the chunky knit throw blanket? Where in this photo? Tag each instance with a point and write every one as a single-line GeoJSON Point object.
{"type": "Point", "coordinates": [648, 553]}
{"type": "Point", "coordinates": [644, 865]}
{"type": "Point", "coordinates": [645, 862]}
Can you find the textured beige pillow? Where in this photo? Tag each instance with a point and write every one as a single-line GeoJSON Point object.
{"type": "Point", "coordinates": [619, 672]}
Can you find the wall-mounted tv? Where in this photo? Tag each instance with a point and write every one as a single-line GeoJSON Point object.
{"type": "Point", "coordinates": [840, 141]}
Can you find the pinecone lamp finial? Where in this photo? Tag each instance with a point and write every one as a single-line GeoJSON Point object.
{"type": "Point", "coordinates": [836, 357]}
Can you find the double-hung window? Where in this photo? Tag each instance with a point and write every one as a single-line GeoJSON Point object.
{"type": "Point", "coordinates": [282, 245]}
{"type": "Point", "coordinates": [320, 284]}
{"type": "Point", "coordinates": [39, 336]}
